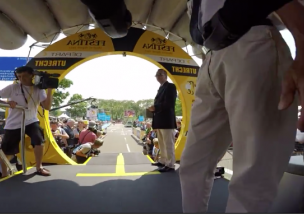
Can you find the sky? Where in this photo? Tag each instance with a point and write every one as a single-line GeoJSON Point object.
{"type": "Point", "coordinates": [119, 78]}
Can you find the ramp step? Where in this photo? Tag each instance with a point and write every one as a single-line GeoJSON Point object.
{"type": "Point", "coordinates": [131, 158]}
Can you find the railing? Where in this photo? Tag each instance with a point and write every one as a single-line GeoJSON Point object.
{"type": "Point", "coordinates": [22, 133]}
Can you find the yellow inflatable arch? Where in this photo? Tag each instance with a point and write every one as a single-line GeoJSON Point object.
{"type": "Point", "coordinates": [66, 54]}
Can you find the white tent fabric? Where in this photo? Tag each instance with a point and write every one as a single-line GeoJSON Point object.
{"type": "Point", "coordinates": [63, 116]}
{"type": "Point", "coordinates": [167, 18]}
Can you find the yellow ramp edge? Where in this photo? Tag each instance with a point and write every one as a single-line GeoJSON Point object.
{"type": "Point", "coordinates": [17, 173]}
{"type": "Point", "coordinates": [52, 152]}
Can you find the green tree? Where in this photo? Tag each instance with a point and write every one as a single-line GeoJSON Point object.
{"type": "Point", "coordinates": [60, 94]}
{"type": "Point", "coordinates": [79, 109]}
{"type": "Point", "coordinates": [143, 105]}
{"type": "Point", "coordinates": [55, 113]}
{"type": "Point", "coordinates": [116, 108]}
{"type": "Point", "coordinates": [178, 107]}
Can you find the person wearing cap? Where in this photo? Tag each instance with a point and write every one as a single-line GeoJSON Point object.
{"type": "Point", "coordinates": [85, 124]}
{"type": "Point", "coordinates": [84, 151]}
{"type": "Point", "coordinates": [88, 135]}
{"type": "Point", "coordinates": [24, 93]}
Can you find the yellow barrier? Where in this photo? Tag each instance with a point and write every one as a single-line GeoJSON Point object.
{"type": "Point", "coordinates": [142, 134]}
{"type": "Point", "coordinates": [134, 130]}
{"type": "Point", "coordinates": [138, 133]}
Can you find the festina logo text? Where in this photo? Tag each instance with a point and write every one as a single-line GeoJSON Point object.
{"type": "Point", "coordinates": [159, 47]}
{"type": "Point", "coordinates": [81, 42]}
{"type": "Point", "coordinates": [71, 54]}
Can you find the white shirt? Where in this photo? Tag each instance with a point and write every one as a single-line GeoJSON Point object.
{"type": "Point", "coordinates": [13, 93]}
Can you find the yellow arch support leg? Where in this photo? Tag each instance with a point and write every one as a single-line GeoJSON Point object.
{"type": "Point", "coordinates": [52, 153]}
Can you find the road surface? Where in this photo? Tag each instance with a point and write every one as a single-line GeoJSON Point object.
{"type": "Point", "coordinates": [119, 140]}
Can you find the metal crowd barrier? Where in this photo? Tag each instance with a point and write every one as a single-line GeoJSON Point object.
{"type": "Point", "coordinates": [22, 133]}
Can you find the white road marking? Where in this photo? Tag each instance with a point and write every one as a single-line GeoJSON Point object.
{"type": "Point", "coordinates": [128, 147]}
{"type": "Point", "coordinates": [228, 171]}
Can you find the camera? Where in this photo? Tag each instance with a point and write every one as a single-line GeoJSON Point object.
{"type": "Point", "coordinates": [112, 16]}
{"type": "Point", "coordinates": [96, 152]}
{"type": "Point", "coordinates": [44, 80]}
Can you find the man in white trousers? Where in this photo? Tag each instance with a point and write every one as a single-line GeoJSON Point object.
{"type": "Point", "coordinates": [164, 120]}
{"type": "Point", "coordinates": [240, 98]}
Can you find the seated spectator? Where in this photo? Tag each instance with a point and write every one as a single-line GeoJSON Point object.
{"type": "Point", "coordinates": [147, 131]}
{"type": "Point", "coordinates": [148, 146]}
{"type": "Point", "coordinates": [88, 135]}
{"type": "Point", "coordinates": [143, 126]}
{"type": "Point", "coordinates": [84, 151]}
{"type": "Point", "coordinates": [59, 134]}
{"type": "Point", "coordinates": [156, 150]}
{"type": "Point", "coordinates": [179, 125]}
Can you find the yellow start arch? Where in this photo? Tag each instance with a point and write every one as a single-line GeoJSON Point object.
{"type": "Point", "coordinates": [66, 54]}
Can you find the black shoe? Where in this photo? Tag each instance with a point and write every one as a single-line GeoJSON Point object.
{"type": "Point", "coordinates": [19, 166]}
{"type": "Point", "coordinates": [158, 164]}
{"type": "Point", "coordinates": [166, 169]}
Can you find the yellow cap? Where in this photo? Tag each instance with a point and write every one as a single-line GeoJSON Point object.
{"type": "Point", "coordinates": [86, 122]}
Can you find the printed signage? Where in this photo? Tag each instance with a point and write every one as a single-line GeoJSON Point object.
{"type": "Point", "coordinates": [103, 117]}
{"type": "Point", "coordinates": [140, 118]}
{"type": "Point", "coordinates": [8, 66]}
{"type": "Point", "coordinates": [129, 113]}
{"type": "Point", "coordinates": [92, 113]}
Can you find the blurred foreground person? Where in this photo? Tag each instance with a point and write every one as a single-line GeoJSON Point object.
{"type": "Point", "coordinates": [240, 97]}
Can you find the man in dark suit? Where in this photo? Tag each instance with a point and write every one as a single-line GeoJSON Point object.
{"type": "Point", "coordinates": [164, 121]}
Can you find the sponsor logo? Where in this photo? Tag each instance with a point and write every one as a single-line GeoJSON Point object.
{"type": "Point", "coordinates": [159, 44]}
{"type": "Point", "coordinates": [87, 39]}
{"type": "Point", "coordinates": [174, 60]}
{"type": "Point", "coordinates": [50, 63]}
{"type": "Point", "coordinates": [66, 54]}
{"type": "Point", "coordinates": [184, 70]}
{"type": "Point", "coordinates": [190, 86]}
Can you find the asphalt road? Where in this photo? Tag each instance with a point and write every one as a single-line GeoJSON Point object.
{"type": "Point", "coordinates": [119, 140]}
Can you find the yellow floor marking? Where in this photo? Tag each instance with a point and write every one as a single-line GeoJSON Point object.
{"type": "Point", "coordinates": [116, 174]}
{"type": "Point", "coordinates": [150, 159]}
{"type": "Point", "coordinates": [120, 165]}
{"type": "Point", "coordinates": [17, 173]}
{"type": "Point", "coordinates": [120, 171]}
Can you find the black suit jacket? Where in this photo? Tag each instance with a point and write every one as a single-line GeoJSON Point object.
{"type": "Point", "coordinates": [164, 103]}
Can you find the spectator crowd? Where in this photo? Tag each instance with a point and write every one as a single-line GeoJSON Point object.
{"type": "Point", "coordinates": [80, 139]}
{"type": "Point", "coordinates": [150, 140]}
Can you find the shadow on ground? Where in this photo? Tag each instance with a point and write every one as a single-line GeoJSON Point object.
{"type": "Point", "coordinates": [149, 193]}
